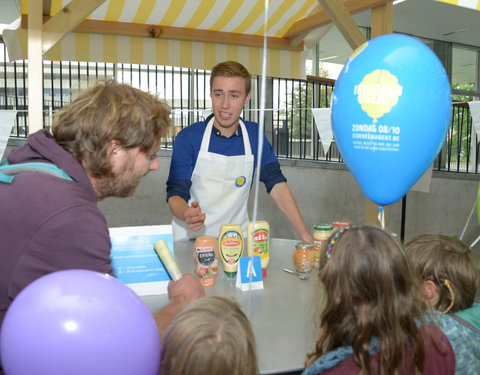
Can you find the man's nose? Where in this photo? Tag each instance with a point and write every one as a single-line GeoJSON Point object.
{"type": "Point", "coordinates": [225, 102]}
{"type": "Point", "coordinates": [154, 165]}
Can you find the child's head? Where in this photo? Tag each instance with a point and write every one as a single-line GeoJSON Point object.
{"type": "Point", "coordinates": [370, 291]}
{"type": "Point", "coordinates": [450, 273]}
{"type": "Point", "coordinates": [211, 336]}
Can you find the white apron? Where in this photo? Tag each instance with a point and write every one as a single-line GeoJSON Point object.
{"type": "Point", "coordinates": [221, 185]}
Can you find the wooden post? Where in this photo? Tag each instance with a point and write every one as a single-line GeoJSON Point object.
{"type": "Point", "coordinates": [35, 66]}
{"type": "Point", "coordinates": [382, 19]}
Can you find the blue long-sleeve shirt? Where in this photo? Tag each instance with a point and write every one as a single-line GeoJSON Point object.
{"type": "Point", "coordinates": [187, 146]}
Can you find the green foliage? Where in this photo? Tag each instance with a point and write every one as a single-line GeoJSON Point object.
{"type": "Point", "coordinates": [462, 87]}
{"type": "Point", "coordinates": [458, 138]}
{"type": "Point", "coordinates": [301, 102]}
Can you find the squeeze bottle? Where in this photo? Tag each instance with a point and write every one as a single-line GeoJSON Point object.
{"type": "Point", "coordinates": [258, 242]}
{"type": "Point", "coordinates": [230, 243]}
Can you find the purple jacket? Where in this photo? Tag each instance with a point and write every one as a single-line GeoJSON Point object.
{"type": "Point", "coordinates": [48, 223]}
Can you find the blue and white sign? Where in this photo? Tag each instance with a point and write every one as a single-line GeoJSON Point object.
{"type": "Point", "coordinates": [249, 274]}
{"type": "Point", "coordinates": [135, 261]}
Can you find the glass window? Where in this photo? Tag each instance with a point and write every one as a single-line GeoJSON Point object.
{"type": "Point", "coordinates": [464, 68]}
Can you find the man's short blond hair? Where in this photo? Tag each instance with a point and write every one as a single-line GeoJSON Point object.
{"type": "Point", "coordinates": [232, 69]}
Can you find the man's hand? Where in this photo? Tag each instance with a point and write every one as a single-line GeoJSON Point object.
{"type": "Point", "coordinates": [185, 290]}
{"type": "Point", "coordinates": [194, 217]}
{"type": "Point", "coordinates": [181, 293]}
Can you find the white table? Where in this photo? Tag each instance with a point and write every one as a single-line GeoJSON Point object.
{"type": "Point", "coordinates": [281, 314]}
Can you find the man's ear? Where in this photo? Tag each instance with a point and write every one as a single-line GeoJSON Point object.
{"type": "Point", "coordinates": [430, 289]}
{"type": "Point", "coordinates": [114, 147]}
{"type": "Point", "coordinates": [113, 151]}
{"type": "Point", "coordinates": [247, 99]}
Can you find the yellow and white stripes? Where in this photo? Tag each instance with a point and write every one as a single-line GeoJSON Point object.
{"type": "Point", "coordinates": [233, 16]}
{"type": "Point", "coordinates": [238, 16]}
{"type": "Point", "coordinates": [472, 4]}
{"type": "Point", "coordinates": [195, 55]}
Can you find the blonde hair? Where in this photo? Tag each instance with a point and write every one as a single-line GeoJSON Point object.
{"type": "Point", "coordinates": [211, 336]}
{"type": "Point", "coordinates": [109, 111]}
{"type": "Point", "coordinates": [232, 69]}
{"type": "Point", "coordinates": [371, 291]}
{"type": "Point", "coordinates": [437, 258]}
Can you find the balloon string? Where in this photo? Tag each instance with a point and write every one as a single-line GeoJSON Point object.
{"type": "Point", "coordinates": [469, 217]}
{"type": "Point", "coordinates": [381, 216]}
{"type": "Point", "coordinates": [260, 141]}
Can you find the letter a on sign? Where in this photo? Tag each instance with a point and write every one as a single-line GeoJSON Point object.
{"type": "Point", "coordinates": [249, 275]}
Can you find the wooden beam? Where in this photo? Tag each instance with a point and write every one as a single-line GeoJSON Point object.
{"type": "Point", "coordinates": [312, 37]}
{"type": "Point", "coordinates": [177, 33]}
{"type": "Point", "coordinates": [344, 22]}
{"type": "Point", "coordinates": [382, 19]}
{"type": "Point", "coordinates": [298, 39]}
{"type": "Point", "coordinates": [35, 67]}
{"type": "Point", "coordinates": [320, 17]}
{"type": "Point", "coordinates": [66, 20]}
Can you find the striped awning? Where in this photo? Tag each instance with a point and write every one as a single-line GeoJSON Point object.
{"type": "Point", "coordinates": [182, 33]}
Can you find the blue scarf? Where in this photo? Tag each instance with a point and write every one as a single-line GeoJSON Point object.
{"type": "Point", "coordinates": [336, 356]}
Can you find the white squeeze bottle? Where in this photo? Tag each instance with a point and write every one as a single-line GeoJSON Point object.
{"type": "Point", "coordinates": [230, 247]}
{"type": "Point", "coordinates": [258, 242]}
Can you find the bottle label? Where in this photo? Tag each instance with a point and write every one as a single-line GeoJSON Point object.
{"type": "Point", "coordinates": [260, 243]}
{"type": "Point", "coordinates": [317, 247]}
{"type": "Point", "coordinates": [231, 246]}
{"type": "Point", "coordinates": [207, 263]}
{"type": "Point", "coordinates": [205, 255]}
{"type": "Point", "coordinates": [317, 244]}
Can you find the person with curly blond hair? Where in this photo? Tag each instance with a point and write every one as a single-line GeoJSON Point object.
{"type": "Point", "coordinates": [101, 145]}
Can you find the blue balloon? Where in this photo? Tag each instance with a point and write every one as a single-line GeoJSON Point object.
{"type": "Point", "coordinates": [391, 111]}
{"type": "Point", "coordinates": [79, 322]}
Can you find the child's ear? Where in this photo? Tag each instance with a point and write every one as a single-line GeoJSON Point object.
{"type": "Point", "coordinates": [430, 289]}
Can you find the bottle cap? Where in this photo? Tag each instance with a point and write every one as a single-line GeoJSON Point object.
{"type": "Point", "coordinates": [230, 275]}
{"type": "Point", "coordinates": [341, 223]}
{"type": "Point", "coordinates": [323, 227]}
{"type": "Point", "coordinates": [304, 246]}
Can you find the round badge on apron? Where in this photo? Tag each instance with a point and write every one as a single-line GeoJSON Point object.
{"type": "Point", "coordinates": [221, 185]}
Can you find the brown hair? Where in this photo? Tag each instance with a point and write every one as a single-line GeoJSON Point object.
{"type": "Point", "coordinates": [109, 111]}
{"type": "Point", "coordinates": [370, 291]}
{"type": "Point", "coordinates": [232, 69]}
{"type": "Point", "coordinates": [211, 336]}
{"type": "Point", "coordinates": [437, 258]}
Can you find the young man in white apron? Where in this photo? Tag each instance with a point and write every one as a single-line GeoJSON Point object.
{"type": "Point", "coordinates": [213, 165]}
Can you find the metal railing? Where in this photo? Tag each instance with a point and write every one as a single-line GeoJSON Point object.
{"type": "Point", "coordinates": [289, 123]}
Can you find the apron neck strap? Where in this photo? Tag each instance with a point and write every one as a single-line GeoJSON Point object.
{"type": "Point", "coordinates": [208, 132]}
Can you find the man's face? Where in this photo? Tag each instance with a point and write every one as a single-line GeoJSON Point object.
{"type": "Point", "coordinates": [129, 167]}
{"type": "Point", "coordinates": [228, 98]}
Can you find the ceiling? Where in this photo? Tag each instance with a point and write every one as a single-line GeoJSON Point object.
{"type": "Point", "coordinates": [424, 18]}
{"type": "Point", "coordinates": [9, 11]}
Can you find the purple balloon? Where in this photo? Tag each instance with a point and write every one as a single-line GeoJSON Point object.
{"type": "Point", "coordinates": [79, 322]}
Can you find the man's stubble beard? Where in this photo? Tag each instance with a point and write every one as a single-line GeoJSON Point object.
{"type": "Point", "coordinates": [113, 186]}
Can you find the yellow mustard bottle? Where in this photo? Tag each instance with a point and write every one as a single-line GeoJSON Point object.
{"type": "Point", "coordinates": [258, 242]}
{"type": "Point", "coordinates": [230, 247]}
